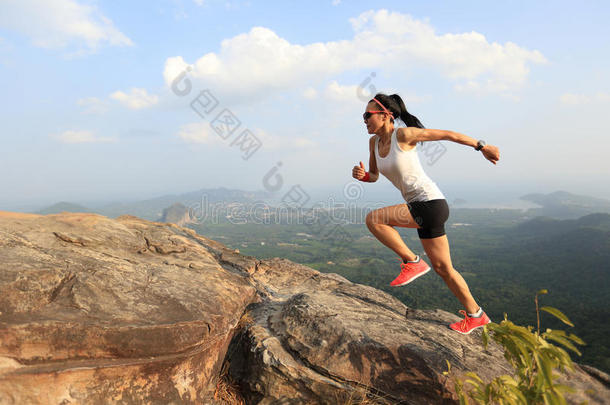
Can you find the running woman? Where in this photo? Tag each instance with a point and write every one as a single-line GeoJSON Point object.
{"type": "Point", "coordinates": [393, 153]}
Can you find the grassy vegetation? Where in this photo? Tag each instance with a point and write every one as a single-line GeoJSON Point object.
{"type": "Point", "coordinates": [537, 359]}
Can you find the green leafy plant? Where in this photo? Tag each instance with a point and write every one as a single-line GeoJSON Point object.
{"type": "Point", "coordinates": [535, 358]}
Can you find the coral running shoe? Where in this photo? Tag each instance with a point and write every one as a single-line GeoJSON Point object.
{"type": "Point", "coordinates": [409, 271]}
{"type": "Point", "coordinates": [468, 324]}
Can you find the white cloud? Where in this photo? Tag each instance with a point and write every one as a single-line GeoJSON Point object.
{"type": "Point", "coordinates": [198, 132]}
{"type": "Point", "coordinates": [136, 99]}
{"type": "Point", "coordinates": [80, 137]}
{"type": "Point", "coordinates": [339, 94]}
{"type": "Point", "coordinates": [570, 98]}
{"type": "Point", "coordinates": [301, 142]}
{"type": "Point", "coordinates": [259, 62]}
{"type": "Point", "coordinates": [577, 99]}
{"type": "Point", "coordinates": [460, 57]}
{"type": "Point", "coordinates": [202, 133]}
{"type": "Point", "coordinates": [310, 93]}
{"type": "Point", "coordinates": [342, 93]}
{"type": "Point", "coordinates": [283, 142]}
{"type": "Point", "coordinates": [93, 105]}
{"type": "Point", "coordinates": [59, 23]}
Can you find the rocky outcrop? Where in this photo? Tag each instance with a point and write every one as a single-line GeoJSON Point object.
{"type": "Point", "coordinates": [96, 310]}
{"type": "Point", "coordinates": [177, 214]}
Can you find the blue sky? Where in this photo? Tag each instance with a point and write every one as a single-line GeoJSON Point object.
{"type": "Point", "coordinates": [88, 111]}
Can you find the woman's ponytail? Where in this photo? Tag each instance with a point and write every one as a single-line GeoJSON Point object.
{"type": "Point", "coordinates": [397, 107]}
{"type": "Point", "coordinates": [405, 116]}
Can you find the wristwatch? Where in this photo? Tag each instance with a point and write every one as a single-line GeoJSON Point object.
{"type": "Point", "coordinates": [480, 144]}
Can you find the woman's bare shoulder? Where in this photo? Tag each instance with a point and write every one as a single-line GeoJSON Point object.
{"type": "Point", "coordinates": [407, 135]}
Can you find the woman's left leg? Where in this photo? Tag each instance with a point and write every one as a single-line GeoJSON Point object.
{"type": "Point", "coordinates": [437, 250]}
{"type": "Point", "coordinates": [381, 223]}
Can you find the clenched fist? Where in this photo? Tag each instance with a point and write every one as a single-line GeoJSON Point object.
{"type": "Point", "coordinates": [358, 172]}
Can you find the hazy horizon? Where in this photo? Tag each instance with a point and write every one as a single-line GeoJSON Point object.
{"type": "Point", "coordinates": [375, 193]}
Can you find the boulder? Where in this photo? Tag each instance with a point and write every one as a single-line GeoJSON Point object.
{"type": "Point", "coordinates": [95, 310]}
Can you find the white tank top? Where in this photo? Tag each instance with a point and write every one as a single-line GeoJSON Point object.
{"type": "Point", "coordinates": [404, 170]}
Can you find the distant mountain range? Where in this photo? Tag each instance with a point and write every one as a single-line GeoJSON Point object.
{"type": "Point", "coordinates": [63, 206]}
{"type": "Point", "coordinates": [558, 205]}
{"type": "Point", "coordinates": [152, 209]}
{"type": "Point", "coordinates": [547, 227]}
{"type": "Point", "coordinates": [565, 205]}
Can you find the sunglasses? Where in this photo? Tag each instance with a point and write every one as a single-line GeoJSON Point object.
{"type": "Point", "coordinates": [368, 114]}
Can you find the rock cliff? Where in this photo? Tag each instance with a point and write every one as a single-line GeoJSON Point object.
{"type": "Point", "coordinates": [98, 310]}
{"type": "Point", "coordinates": [177, 214]}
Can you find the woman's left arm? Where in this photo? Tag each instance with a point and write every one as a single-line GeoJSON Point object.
{"type": "Point", "coordinates": [414, 135]}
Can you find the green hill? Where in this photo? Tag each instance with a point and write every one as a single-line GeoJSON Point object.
{"type": "Point", "coordinates": [563, 205]}
{"type": "Point", "coordinates": [63, 206]}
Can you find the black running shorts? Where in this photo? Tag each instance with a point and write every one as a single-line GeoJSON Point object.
{"type": "Point", "coordinates": [430, 216]}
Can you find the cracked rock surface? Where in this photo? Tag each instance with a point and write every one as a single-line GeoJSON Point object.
{"type": "Point", "coordinates": [98, 310]}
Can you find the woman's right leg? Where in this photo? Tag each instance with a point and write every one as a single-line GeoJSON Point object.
{"type": "Point", "coordinates": [437, 250]}
{"type": "Point", "coordinates": [381, 223]}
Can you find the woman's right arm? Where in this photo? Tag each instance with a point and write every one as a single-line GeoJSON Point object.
{"type": "Point", "coordinates": [373, 171]}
